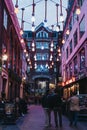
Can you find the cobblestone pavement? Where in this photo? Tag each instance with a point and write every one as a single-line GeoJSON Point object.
{"type": "Point", "coordinates": [34, 120]}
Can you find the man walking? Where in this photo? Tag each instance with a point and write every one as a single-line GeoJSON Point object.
{"type": "Point", "coordinates": [57, 108]}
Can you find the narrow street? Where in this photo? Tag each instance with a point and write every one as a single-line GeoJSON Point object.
{"type": "Point", "coordinates": [34, 120]}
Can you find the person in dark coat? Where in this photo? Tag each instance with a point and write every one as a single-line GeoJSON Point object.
{"type": "Point", "coordinates": [50, 101]}
{"type": "Point", "coordinates": [57, 108]}
{"type": "Point", "coordinates": [44, 103]}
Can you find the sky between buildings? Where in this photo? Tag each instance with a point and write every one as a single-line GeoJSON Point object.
{"type": "Point", "coordinates": [40, 12]}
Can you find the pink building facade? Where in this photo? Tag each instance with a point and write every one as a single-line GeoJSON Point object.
{"type": "Point", "coordinates": [74, 50]}
{"type": "Point", "coordinates": [13, 68]}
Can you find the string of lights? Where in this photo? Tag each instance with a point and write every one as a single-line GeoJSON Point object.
{"type": "Point", "coordinates": [33, 4]}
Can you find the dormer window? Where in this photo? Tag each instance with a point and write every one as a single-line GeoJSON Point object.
{"type": "Point", "coordinates": [42, 34]}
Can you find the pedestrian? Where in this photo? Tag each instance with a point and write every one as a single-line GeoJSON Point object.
{"type": "Point", "coordinates": [50, 101]}
{"type": "Point", "coordinates": [57, 108]}
{"type": "Point", "coordinates": [74, 109]}
{"type": "Point", "coordinates": [45, 107]}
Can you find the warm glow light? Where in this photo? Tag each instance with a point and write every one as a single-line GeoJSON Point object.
{"type": "Point", "coordinates": [4, 57]}
{"type": "Point", "coordinates": [67, 32]}
{"type": "Point", "coordinates": [57, 59]}
{"type": "Point", "coordinates": [58, 49]}
{"type": "Point", "coordinates": [61, 18]}
{"type": "Point", "coordinates": [51, 49]}
{"type": "Point", "coordinates": [33, 49]}
{"type": "Point", "coordinates": [33, 18]}
{"type": "Point", "coordinates": [26, 54]}
{"type": "Point", "coordinates": [25, 50]}
{"type": "Point", "coordinates": [33, 44]}
{"type": "Point", "coordinates": [21, 32]}
{"type": "Point", "coordinates": [63, 41]}
{"type": "Point", "coordinates": [78, 11]}
{"type": "Point", "coordinates": [42, 47]}
{"type": "Point", "coordinates": [16, 10]}
{"type": "Point", "coordinates": [59, 54]}
{"type": "Point", "coordinates": [57, 28]}
{"type": "Point", "coordinates": [33, 28]}
{"type": "Point", "coordinates": [22, 40]}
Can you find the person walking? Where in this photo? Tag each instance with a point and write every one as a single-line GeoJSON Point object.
{"type": "Point", "coordinates": [57, 108]}
{"type": "Point", "coordinates": [74, 109]}
{"type": "Point", "coordinates": [44, 103]}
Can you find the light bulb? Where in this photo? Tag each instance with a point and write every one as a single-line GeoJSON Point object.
{"type": "Point", "coordinates": [78, 11]}
{"type": "Point", "coordinates": [16, 9]}
{"type": "Point", "coordinates": [61, 18]}
{"type": "Point", "coordinates": [33, 18]}
{"type": "Point", "coordinates": [57, 28]}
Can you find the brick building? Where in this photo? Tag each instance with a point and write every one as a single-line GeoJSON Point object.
{"type": "Point", "coordinates": [74, 50]}
{"type": "Point", "coordinates": [13, 68]}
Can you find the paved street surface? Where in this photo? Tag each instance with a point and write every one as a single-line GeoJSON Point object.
{"type": "Point", "coordinates": [34, 120]}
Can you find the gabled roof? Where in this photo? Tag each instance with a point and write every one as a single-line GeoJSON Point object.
{"type": "Point", "coordinates": [41, 25]}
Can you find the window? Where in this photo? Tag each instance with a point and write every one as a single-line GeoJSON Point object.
{"type": "Point", "coordinates": [29, 45]}
{"type": "Point", "coordinates": [82, 27]}
{"type": "Point", "coordinates": [39, 45]}
{"type": "Point", "coordinates": [75, 38]}
{"type": "Point", "coordinates": [42, 34]}
{"type": "Point", "coordinates": [55, 45]}
{"type": "Point", "coordinates": [67, 73]}
{"type": "Point", "coordinates": [75, 65]}
{"type": "Point", "coordinates": [82, 59]}
{"type": "Point", "coordinates": [74, 16]}
{"type": "Point", "coordinates": [40, 56]}
{"type": "Point", "coordinates": [67, 53]}
{"type": "Point", "coordinates": [42, 68]}
{"type": "Point", "coordinates": [80, 2]}
{"type": "Point", "coordinates": [71, 47]}
{"type": "Point", "coordinates": [70, 69]}
{"type": "Point", "coordinates": [5, 19]}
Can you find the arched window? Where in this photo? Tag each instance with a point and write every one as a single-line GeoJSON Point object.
{"type": "Point", "coordinates": [42, 34]}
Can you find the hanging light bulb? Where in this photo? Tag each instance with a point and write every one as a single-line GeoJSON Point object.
{"type": "Point", "coordinates": [45, 20]}
{"type": "Point", "coordinates": [78, 10]}
{"type": "Point", "coordinates": [22, 40]}
{"type": "Point", "coordinates": [21, 31]}
{"type": "Point", "coordinates": [61, 14]}
{"type": "Point", "coordinates": [67, 31]}
{"type": "Point", "coordinates": [33, 27]}
{"type": "Point", "coordinates": [33, 12]}
{"type": "Point", "coordinates": [16, 7]}
{"type": "Point", "coordinates": [57, 28]}
{"type": "Point", "coordinates": [61, 18]}
{"type": "Point", "coordinates": [25, 51]}
{"type": "Point", "coordinates": [63, 41]}
{"type": "Point", "coordinates": [33, 18]}
{"type": "Point", "coordinates": [33, 44]}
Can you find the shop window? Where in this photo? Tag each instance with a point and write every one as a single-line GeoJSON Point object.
{"type": "Point", "coordinates": [82, 27]}
{"type": "Point", "coordinates": [75, 65]}
{"type": "Point", "coordinates": [75, 37]}
{"type": "Point", "coordinates": [82, 59]}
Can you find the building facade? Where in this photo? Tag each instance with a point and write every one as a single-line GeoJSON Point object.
{"type": "Point", "coordinates": [74, 50]}
{"type": "Point", "coordinates": [12, 61]}
{"type": "Point", "coordinates": [43, 57]}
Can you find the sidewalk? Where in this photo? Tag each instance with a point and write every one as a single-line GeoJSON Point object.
{"type": "Point", "coordinates": [34, 120]}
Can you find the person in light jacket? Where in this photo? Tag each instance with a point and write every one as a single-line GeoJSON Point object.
{"type": "Point", "coordinates": [74, 109]}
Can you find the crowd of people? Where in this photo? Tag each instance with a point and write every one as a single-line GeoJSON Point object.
{"type": "Point", "coordinates": [52, 102]}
